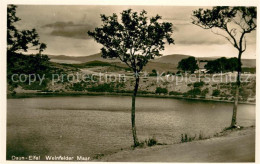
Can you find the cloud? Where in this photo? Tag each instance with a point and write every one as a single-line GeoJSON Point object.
{"type": "Point", "coordinates": [189, 34]}
{"type": "Point", "coordinates": [69, 29]}
{"type": "Point", "coordinates": [64, 29]}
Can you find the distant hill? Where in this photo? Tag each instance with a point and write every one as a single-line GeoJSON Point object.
{"type": "Point", "coordinates": [79, 59]}
{"type": "Point", "coordinates": [169, 62]}
{"type": "Point", "coordinates": [171, 59]}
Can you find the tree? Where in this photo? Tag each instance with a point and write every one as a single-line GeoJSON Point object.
{"type": "Point", "coordinates": [135, 40]}
{"type": "Point", "coordinates": [221, 65]}
{"type": "Point", "coordinates": [232, 23]}
{"type": "Point", "coordinates": [20, 40]}
{"type": "Point", "coordinates": [188, 64]}
{"type": "Point", "coordinates": [232, 64]}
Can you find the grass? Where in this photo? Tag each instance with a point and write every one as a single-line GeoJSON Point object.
{"type": "Point", "coordinates": [186, 138]}
{"type": "Point", "coordinates": [98, 156]}
{"type": "Point", "coordinates": [148, 142]}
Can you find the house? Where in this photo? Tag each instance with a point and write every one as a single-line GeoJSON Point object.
{"type": "Point", "coordinates": [201, 64]}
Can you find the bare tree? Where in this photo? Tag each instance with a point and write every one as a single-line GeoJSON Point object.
{"type": "Point", "coordinates": [134, 40]}
{"type": "Point", "coordinates": [232, 23]}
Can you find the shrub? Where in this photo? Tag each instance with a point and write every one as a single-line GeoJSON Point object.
{"type": "Point", "coordinates": [214, 85]}
{"type": "Point", "coordinates": [160, 90]}
{"type": "Point", "coordinates": [102, 88]}
{"type": "Point", "coordinates": [202, 136]}
{"type": "Point", "coordinates": [215, 92]}
{"type": "Point", "coordinates": [35, 85]}
{"type": "Point", "coordinates": [193, 92]}
{"type": "Point", "coordinates": [77, 87]}
{"type": "Point", "coordinates": [151, 141]}
{"type": "Point", "coordinates": [175, 93]}
{"type": "Point", "coordinates": [198, 84]}
{"type": "Point", "coordinates": [154, 73]}
{"type": "Point", "coordinates": [204, 92]}
{"type": "Point", "coordinates": [186, 138]}
{"type": "Point", "coordinates": [98, 156]}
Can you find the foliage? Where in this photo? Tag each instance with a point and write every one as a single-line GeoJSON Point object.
{"type": "Point", "coordinates": [78, 87]}
{"type": "Point", "coordinates": [135, 40]}
{"type": "Point", "coordinates": [188, 64]}
{"type": "Point", "coordinates": [23, 40]}
{"type": "Point", "coordinates": [222, 65]}
{"type": "Point", "coordinates": [154, 73]}
{"type": "Point", "coordinates": [198, 84]}
{"type": "Point", "coordinates": [151, 141]}
{"type": "Point", "coordinates": [35, 85]}
{"type": "Point", "coordinates": [27, 64]}
{"type": "Point", "coordinates": [244, 93]}
{"type": "Point", "coordinates": [20, 39]}
{"type": "Point", "coordinates": [204, 92]}
{"type": "Point", "coordinates": [216, 92]}
{"type": "Point", "coordinates": [186, 138]}
{"type": "Point", "coordinates": [232, 23]}
{"type": "Point", "coordinates": [170, 73]}
{"type": "Point", "coordinates": [106, 87]}
{"type": "Point", "coordinates": [230, 20]}
{"type": "Point", "coordinates": [174, 93]}
{"type": "Point", "coordinates": [192, 93]}
{"type": "Point", "coordinates": [160, 90]}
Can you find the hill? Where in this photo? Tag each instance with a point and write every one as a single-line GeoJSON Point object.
{"type": "Point", "coordinates": [171, 59]}
{"type": "Point", "coordinates": [79, 59]}
{"type": "Point", "coordinates": [168, 62]}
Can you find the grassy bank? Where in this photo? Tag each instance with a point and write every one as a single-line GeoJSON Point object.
{"type": "Point", "coordinates": [238, 142]}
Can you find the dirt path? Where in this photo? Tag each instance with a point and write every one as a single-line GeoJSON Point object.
{"type": "Point", "coordinates": [237, 146]}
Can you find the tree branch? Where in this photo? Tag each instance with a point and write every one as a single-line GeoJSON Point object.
{"type": "Point", "coordinates": [223, 36]}
{"type": "Point", "coordinates": [234, 39]}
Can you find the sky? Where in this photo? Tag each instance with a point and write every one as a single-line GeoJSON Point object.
{"type": "Point", "coordinates": [64, 29]}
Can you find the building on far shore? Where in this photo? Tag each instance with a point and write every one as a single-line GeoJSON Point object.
{"type": "Point", "coordinates": [201, 65]}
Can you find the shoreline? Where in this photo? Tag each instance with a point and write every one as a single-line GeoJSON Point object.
{"type": "Point", "coordinates": [65, 94]}
{"type": "Point", "coordinates": [200, 150]}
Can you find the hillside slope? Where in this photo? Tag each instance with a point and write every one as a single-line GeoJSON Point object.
{"type": "Point", "coordinates": [171, 60]}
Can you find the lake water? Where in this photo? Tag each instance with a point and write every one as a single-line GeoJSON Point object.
{"type": "Point", "coordinates": [89, 125]}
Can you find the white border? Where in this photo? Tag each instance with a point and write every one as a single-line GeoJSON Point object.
{"type": "Point", "coordinates": [3, 7]}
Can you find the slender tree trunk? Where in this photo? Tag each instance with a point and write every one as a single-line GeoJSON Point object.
{"type": "Point", "coordinates": [133, 112]}
{"type": "Point", "coordinates": [239, 69]}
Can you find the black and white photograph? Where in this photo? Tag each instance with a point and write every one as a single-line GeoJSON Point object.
{"type": "Point", "coordinates": [124, 82]}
